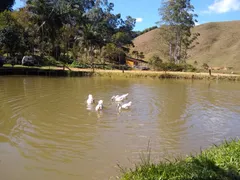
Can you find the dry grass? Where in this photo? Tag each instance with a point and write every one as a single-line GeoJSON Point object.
{"type": "Point", "coordinates": [160, 74]}
{"type": "Point", "coordinates": [218, 46]}
{"type": "Point", "coordinates": [126, 74]}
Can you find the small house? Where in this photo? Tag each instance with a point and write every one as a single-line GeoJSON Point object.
{"type": "Point", "coordinates": [132, 62]}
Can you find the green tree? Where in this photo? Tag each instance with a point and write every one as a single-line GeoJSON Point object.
{"type": "Point", "coordinates": [13, 38]}
{"type": "Point", "coordinates": [84, 27]}
{"type": "Point", "coordinates": [135, 54]}
{"type": "Point", "coordinates": [10, 39]}
{"type": "Point", "coordinates": [111, 53]}
{"type": "Point", "coordinates": [177, 19]}
{"type": "Point", "coordinates": [47, 17]}
{"type": "Point", "coordinates": [122, 40]}
{"type": "Point", "coordinates": [155, 62]}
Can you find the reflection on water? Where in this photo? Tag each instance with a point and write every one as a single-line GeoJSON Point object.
{"type": "Point", "coordinates": [49, 130]}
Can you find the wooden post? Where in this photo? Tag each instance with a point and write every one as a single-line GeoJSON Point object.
{"type": "Point", "coordinates": [210, 71]}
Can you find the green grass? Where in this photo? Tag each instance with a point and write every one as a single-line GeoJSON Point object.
{"type": "Point", "coordinates": [21, 66]}
{"type": "Point", "coordinates": [217, 163]}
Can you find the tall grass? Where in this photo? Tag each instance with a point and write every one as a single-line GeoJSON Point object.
{"type": "Point", "coordinates": [217, 163]}
{"type": "Point", "coordinates": [166, 75]}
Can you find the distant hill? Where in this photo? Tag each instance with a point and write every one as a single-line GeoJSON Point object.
{"type": "Point", "coordinates": [219, 44]}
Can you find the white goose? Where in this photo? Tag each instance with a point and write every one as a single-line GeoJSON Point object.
{"type": "Point", "coordinates": [118, 98]}
{"type": "Point", "coordinates": [99, 106]}
{"type": "Point", "coordinates": [90, 99]}
{"type": "Point", "coordinates": [124, 106]}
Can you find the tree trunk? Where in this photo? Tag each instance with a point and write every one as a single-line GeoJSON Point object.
{"type": "Point", "coordinates": [170, 50]}
{"type": "Point", "coordinates": [177, 47]}
{"type": "Point", "coordinates": [91, 56]}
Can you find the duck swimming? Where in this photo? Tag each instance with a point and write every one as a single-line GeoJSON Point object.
{"type": "Point", "coordinates": [99, 106]}
{"type": "Point", "coordinates": [118, 98]}
{"type": "Point", "coordinates": [90, 99]}
{"type": "Point", "coordinates": [124, 106]}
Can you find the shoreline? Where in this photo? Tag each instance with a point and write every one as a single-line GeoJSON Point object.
{"type": "Point", "coordinates": [217, 162]}
{"type": "Point", "coordinates": [77, 72]}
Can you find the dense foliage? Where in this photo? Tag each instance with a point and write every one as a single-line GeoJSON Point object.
{"type": "Point", "coordinates": [81, 30]}
{"type": "Point", "coordinates": [138, 33]}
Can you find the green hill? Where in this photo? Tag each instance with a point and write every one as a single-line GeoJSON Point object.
{"type": "Point", "coordinates": [219, 44]}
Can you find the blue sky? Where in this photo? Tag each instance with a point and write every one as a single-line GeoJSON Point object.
{"type": "Point", "coordinates": [146, 11]}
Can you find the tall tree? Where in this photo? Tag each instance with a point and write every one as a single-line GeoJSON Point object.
{"type": "Point", "coordinates": [13, 38]}
{"type": "Point", "coordinates": [177, 20]}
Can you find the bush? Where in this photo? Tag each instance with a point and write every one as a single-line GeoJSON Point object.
{"type": "Point", "coordinates": [65, 59]}
{"type": "Point", "coordinates": [205, 66]}
{"type": "Point", "coordinates": [156, 62]}
{"type": "Point", "coordinates": [177, 67]}
{"type": "Point", "coordinates": [49, 61]}
{"type": "Point", "coordinates": [77, 64]}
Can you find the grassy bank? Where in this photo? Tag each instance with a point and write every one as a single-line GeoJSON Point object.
{"type": "Point", "coordinates": [217, 163]}
{"type": "Point", "coordinates": [168, 74]}
{"type": "Point", "coordinates": [43, 71]}
{"type": "Point", "coordinates": [57, 71]}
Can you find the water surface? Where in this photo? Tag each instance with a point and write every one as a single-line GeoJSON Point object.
{"type": "Point", "coordinates": [47, 131]}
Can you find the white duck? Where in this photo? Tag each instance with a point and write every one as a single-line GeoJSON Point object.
{"type": "Point", "coordinates": [99, 106]}
{"type": "Point", "coordinates": [124, 106]}
{"type": "Point", "coordinates": [119, 98]}
{"type": "Point", "coordinates": [90, 99]}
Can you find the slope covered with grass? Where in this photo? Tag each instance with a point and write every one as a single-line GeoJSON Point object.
{"type": "Point", "coordinates": [219, 44]}
{"type": "Point", "coordinates": [217, 163]}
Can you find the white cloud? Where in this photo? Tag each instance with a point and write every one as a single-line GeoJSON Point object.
{"type": "Point", "coordinates": [139, 19]}
{"type": "Point", "coordinates": [223, 6]}
{"type": "Point", "coordinates": [197, 23]}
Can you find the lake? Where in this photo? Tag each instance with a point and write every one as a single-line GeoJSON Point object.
{"type": "Point", "coordinates": [48, 132]}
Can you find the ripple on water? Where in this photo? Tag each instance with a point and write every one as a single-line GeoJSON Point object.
{"type": "Point", "coordinates": [47, 121]}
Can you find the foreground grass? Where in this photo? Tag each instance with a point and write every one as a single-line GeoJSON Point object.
{"type": "Point", "coordinates": [217, 163]}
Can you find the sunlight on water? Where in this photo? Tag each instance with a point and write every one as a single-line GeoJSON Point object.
{"type": "Point", "coordinates": [47, 131]}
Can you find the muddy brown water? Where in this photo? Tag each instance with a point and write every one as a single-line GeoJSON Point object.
{"type": "Point", "coordinates": [47, 131]}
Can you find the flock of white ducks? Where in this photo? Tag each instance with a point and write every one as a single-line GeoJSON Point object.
{"type": "Point", "coordinates": [117, 98]}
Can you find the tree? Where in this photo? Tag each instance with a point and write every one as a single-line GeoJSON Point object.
{"type": "Point", "coordinates": [90, 41]}
{"type": "Point", "coordinates": [10, 39]}
{"type": "Point", "coordinates": [141, 55]}
{"type": "Point", "coordinates": [111, 53]}
{"type": "Point", "coordinates": [156, 62]}
{"type": "Point", "coordinates": [122, 40]}
{"type": "Point", "coordinates": [13, 39]}
{"type": "Point", "coordinates": [177, 19]}
{"type": "Point", "coordinates": [6, 5]}
{"type": "Point", "coordinates": [56, 27]}
{"type": "Point", "coordinates": [135, 53]}
{"type": "Point", "coordinates": [48, 17]}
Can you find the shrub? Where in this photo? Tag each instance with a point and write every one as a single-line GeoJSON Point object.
{"type": "Point", "coordinates": [205, 66]}
{"type": "Point", "coordinates": [156, 62]}
{"type": "Point", "coordinates": [49, 61]}
{"type": "Point", "coordinates": [177, 67]}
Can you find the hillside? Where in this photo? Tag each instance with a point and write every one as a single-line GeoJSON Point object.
{"type": "Point", "coordinates": [219, 44]}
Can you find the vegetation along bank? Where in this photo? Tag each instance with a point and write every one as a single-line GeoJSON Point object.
{"type": "Point", "coordinates": [217, 163]}
{"type": "Point", "coordinates": [76, 72]}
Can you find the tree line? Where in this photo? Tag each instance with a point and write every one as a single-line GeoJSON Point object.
{"type": "Point", "coordinates": [88, 31]}
{"type": "Point", "coordinates": [63, 29]}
